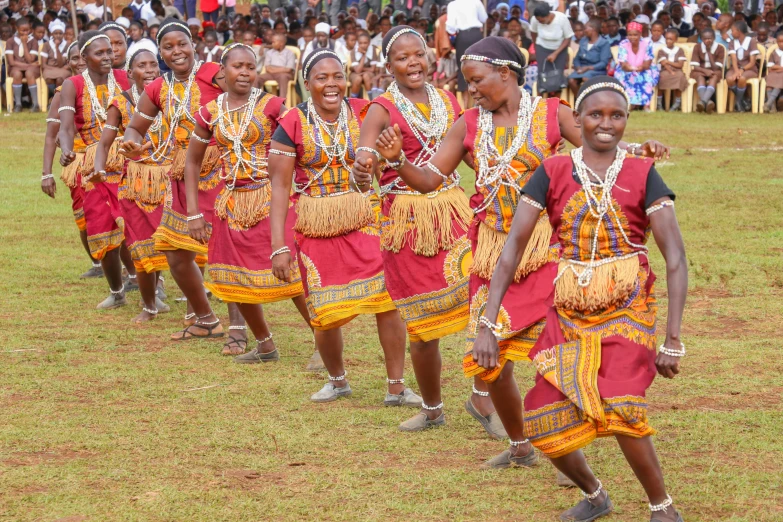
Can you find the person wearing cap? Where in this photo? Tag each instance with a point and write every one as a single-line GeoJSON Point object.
{"type": "Point", "coordinates": [552, 34]}
{"type": "Point", "coordinates": [194, 24]}
{"type": "Point", "coordinates": [644, 21]}
{"type": "Point", "coordinates": [54, 58]}
{"type": "Point", "coordinates": [323, 40]}
{"type": "Point", "coordinates": [465, 19]}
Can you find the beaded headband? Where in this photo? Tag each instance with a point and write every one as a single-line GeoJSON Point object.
{"type": "Point", "coordinates": [494, 61]}
{"type": "Point", "coordinates": [71, 46]}
{"type": "Point", "coordinates": [602, 87]}
{"type": "Point", "coordinates": [309, 62]}
{"type": "Point", "coordinates": [91, 40]}
{"type": "Point", "coordinates": [109, 25]}
{"type": "Point", "coordinates": [184, 28]}
{"type": "Point", "coordinates": [407, 30]}
{"type": "Point", "coordinates": [233, 46]}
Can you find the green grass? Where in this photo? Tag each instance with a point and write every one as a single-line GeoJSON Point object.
{"type": "Point", "coordinates": [97, 422]}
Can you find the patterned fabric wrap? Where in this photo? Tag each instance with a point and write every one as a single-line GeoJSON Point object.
{"type": "Point", "coordinates": [77, 205]}
{"type": "Point", "coordinates": [240, 269]}
{"type": "Point", "coordinates": [428, 280]}
{"type": "Point", "coordinates": [639, 85]}
{"type": "Point", "coordinates": [594, 367]}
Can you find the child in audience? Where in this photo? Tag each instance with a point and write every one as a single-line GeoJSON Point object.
{"type": "Point", "coordinates": [707, 69]}
{"type": "Point", "coordinates": [55, 63]}
{"type": "Point", "coordinates": [21, 52]}
{"type": "Point", "coordinates": [211, 51]}
{"type": "Point", "coordinates": [446, 75]}
{"type": "Point", "coordinates": [279, 63]}
{"type": "Point", "coordinates": [658, 41]}
{"type": "Point", "coordinates": [774, 101]}
{"type": "Point", "coordinates": [763, 36]}
{"type": "Point", "coordinates": [363, 64]}
{"type": "Point", "coordinates": [744, 55]}
{"type": "Point", "coordinates": [250, 39]}
{"type": "Point", "coordinates": [671, 60]}
{"type": "Point", "coordinates": [723, 29]}
{"type": "Point", "coordinates": [613, 32]}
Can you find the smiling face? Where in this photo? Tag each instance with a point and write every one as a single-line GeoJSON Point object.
{"type": "Point", "coordinates": [176, 49]}
{"type": "Point", "coordinates": [239, 68]}
{"type": "Point", "coordinates": [602, 117]}
{"type": "Point", "coordinates": [486, 83]}
{"type": "Point", "coordinates": [408, 61]}
{"type": "Point", "coordinates": [144, 69]}
{"type": "Point", "coordinates": [326, 83]}
{"type": "Point", "coordinates": [75, 61]}
{"type": "Point", "coordinates": [99, 56]}
{"type": "Point", "coordinates": [589, 10]}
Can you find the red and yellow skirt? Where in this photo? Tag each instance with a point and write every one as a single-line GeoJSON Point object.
{"type": "Point", "coordinates": [105, 222]}
{"type": "Point", "coordinates": [593, 371]}
{"type": "Point", "coordinates": [70, 176]}
{"type": "Point", "coordinates": [239, 248]}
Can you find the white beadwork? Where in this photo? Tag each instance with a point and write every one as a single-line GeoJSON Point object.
{"type": "Point", "coordinates": [494, 61]}
{"type": "Point", "coordinates": [340, 378]}
{"type": "Point", "coordinates": [281, 250]}
{"type": "Point", "coordinates": [480, 393]}
{"type": "Point", "coordinates": [495, 169]}
{"type": "Point", "coordinates": [195, 217]}
{"type": "Point", "coordinates": [662, 506]}
{"type": "Point", "coordinates": [371, 151]}
{"type": "Point", "coordinates": [151, 311]}
{"type": "Point", "coordinates": [237, 327]}
{"type": "Point", "coordinates": [407, 30]}
{"type": "Point", "coordinates": [603, 85]}
{"type": "Point", "coordinates": [117, 292]}
{"type": "Point", "coordinates": [113, 89]}
{"type": "Point", "coordinates": [660, 206]}
{"type": "Point", "coordinates": [66, 108]}
{"type": "Point", "coordinates": [282, 153]}
{"type": "Point", "coordinates": [594, 495]}
{"type": "Point", "coordinates": [52, 120]}
{"type": "Point", "coordinates": [91, 40]}
{"type": "Point", "coordinates": [46, 176]}
{"type": "Point", "coordinates": [395, 381]}
{"type": "Point", "coordinates": [265, 339]}
{"type": "Point", "coordinates": [494, 328]}
{"type": "Point", "coordinates": [112, 127]}
{"type": "Point", "coordinates": [156, 120]}
{"type": "Point", "coordinates": [673, 353]}
{"type": "Point", "coordinates": [432, 408]}
{"type": "Point", "coordinates": [532, 202]}
{"type": "Point", "coordinates": [600, 207]}
{"type": "Point", "coordinates": [516, 443]}
{"type": "Point", "coordinates": [200, 139]}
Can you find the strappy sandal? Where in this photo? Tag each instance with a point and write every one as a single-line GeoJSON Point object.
{"type": "Point", "coordinates": [187, 334]}
{"type": "Point", "coordinates": [189, 320]}
{"type": "Point", "coordinates": [233, 345]}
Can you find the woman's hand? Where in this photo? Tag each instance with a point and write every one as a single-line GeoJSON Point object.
{"type": "Point", "coordinates": [485, 349]}
{"type": "Point", "coordinates": [362, 173]}
{"type": "Point", "coordinates": [552, 57]}
{"type": "Point", "coordinates": [655, 149]}
{"type": "Point", "coordinates": [197, 229]}
{"type": "Point", "coordinates": [49, 187]}
{"type": "Point", "coordinates": [282, 266]}
{"type": "Point", "coordinates": [667, 365]}
{"type": "Point", "coordinates": [389, 143]}
{"type": "Point", "coordinates": [131, 150]}
{"type": "Point", "coordinates": [561, 145]}
{"type": "Point", "coordinates": [93, 177]}
{"type": "Point", "coordinates": [66, 158]}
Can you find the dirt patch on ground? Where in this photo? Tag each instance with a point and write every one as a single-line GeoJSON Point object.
{"type": "Point", "coordinates": [36, 458]}
{"type": "Point", "coordinates": [725, 403]}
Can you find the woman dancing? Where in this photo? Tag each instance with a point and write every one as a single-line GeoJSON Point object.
{"type": "Point", "coordinates": [336, 231]}
{"type": "Point", "coordinates": [76, 65]}
{"type": "Point", "coordinates": [242, 121]}
{"type": "Point", "coordinates": [84, 102]}
{"type": "Point", "coordinates": [178, 95]}
{"type": "Point", "coordinates": [596, 356]}
{"type": "Point", "coordinates": [142, 185]}
{"type": "Point", "coordinates": [426, 253]}
{"type": "Point", "coordinates": [507, 136]}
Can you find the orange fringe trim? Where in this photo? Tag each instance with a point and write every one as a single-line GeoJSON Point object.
{"type": "Point", "coordinates": [146, 183]}
{"type": "Point", "coordinates": [70, 174]}
{"type": "Point", "coordinates": [611, 285]}
{"type": "Point", "coordinates": [490, 246]}
{"type": "Point", "coordinates": [211, 157]}
{"type": "Point", "coordinates": [247, 207]}
{"type": "Point", "coordinates": [331, 217]}
{"type": "Point", "coordinates": [426, 223]}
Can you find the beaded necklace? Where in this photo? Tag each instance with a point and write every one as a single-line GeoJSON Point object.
{"type": "Point", "coordinates": [428, 132]}
{"type": "Point", "coordinates": [495, 169]}
{"type": "Point", "coordinates": [181, 108]}
{"type": "Point", "coordinates": [601, 206]}
{"type": "Point", "coordinates": [97, 107]}
{"type": "Point", "coordinates": [334, 151]}
{"type": "Point", "coordinates": [135, 96]}
{"type": "Point", "coordinates": [236, 136]}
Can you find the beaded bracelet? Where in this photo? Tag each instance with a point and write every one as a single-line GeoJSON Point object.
{"type": "Point", "coordinates": [111, 127]}
{"type": "Point", "coordinates": [672, 353]}
{"type": "Point", "coordinates": [660, 206]}
{"type": "Point", "coordinates": [435, 169]}
{"type": "Point", "coordinates": [396, 165]}
{"type": "Point", "coordinates": [281, 250]}
{"type": "Point", "coordinates": [516, 443]}
{"type": "Point", "coordinates": [44, 177]}
{"type": "Point", "coordinates": [340, 378]}
{"type": "Point", "coordinates": [199, 138]}
{"type": "Point", "coordinates": [145, 116]}
{"type": "Point", "coordinates": [66, 108]}
{"type": "Point", "coordinates": [282, 153]}
{"type": "Point", "coordinates": [193, 218]}
{"type": "Point", "coordinates": [371, 151]}
{"type": "Point", "coordinates": [662, 506]}
{"type": "Point", "coordinates": [395, 381]}
{"type": "Point", "coordinates": [633, 148]}
{"type": "Point", "coordinates": [52, 120]}
{"type": "Point", "coordinates": [532, 202]}
{"type": "Point", "coordinates": [494, 328]}
{"type": "Point", "coordinates": [432, 408]}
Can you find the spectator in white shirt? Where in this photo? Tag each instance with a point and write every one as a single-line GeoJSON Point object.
{"type": "Point", "coordinates": [96, 10]}
{"type": "Point", "coordinates": [322, 41]}
{"type": "Point", "coordinates": [552, 34]}
{"type": "Point", "coordinates": [465, 18]}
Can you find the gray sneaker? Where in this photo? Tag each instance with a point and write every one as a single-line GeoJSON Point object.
{"type": "Point", "coordinates": [563, 481]}
{"type": "Point", "coordinates": [421, 422]}
{"type": "Point", "coordinates": [112, 302]}
{"type": "Point", "coordinates": [507, 460]}
{"type": "Point", "coordinates": [331, 393]}
{"type": "Point", "coordinates": [491, 423]}
{"type": "Point", "coordinates": [92, 273]}
{"type": "Point", "coordinates": [315, 364]}
{"type": "Point", "coordinates": [406, 398]}
{"type": "Point", "coordinates": [584, 511]}
{"type": "Point", "coordinates": [254, 356]}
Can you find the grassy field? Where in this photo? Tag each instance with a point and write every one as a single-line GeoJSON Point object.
{"type": "Point", "coordinates": [102, 420]}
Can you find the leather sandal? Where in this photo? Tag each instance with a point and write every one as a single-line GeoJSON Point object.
{"type": "Point", "coordinates": [187, 334]}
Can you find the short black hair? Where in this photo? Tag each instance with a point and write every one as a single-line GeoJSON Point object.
{"type": "Point", "coordinates": [740, 26]}
{"type": "Point", "coordinates": [706, 31]}
{"type": "Point", "coordinates": [658, 22]}
{"type": "Point", "coordinates": [673, 30]}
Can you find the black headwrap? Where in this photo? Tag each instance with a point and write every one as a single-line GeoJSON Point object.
{"type": "Point", "coordinates": [114, 26]}
{"type": "Point", "coordinates": [498, 51]}
{"type": "Point", "coordinates": [315, 57]}
{"type": "Point", "coordinates": [171, 24]}
{"type": "Point", "coordinates": [598, 84]}
{"type": "Point", "coordinates": [542, 10]}
{"type": "Point", "coordinates": [395, 33]}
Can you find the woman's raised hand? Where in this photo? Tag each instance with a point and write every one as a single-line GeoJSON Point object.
{"type": "Point", "coordinates": [389, 143]}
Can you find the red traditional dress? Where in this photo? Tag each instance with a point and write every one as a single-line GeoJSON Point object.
{"type": "Point", "coordinates": [337, 230]}
{"type": "Point", "coordinates": [426, 254]}
{"type": "Point", "coordinates": [524, 306]}
{"type": "Point", "coordinates": [141, 192]}
{"type": "Point", "coordinates": [72, 180]}
{"type": "Point", "coordinates": [596, 356]}
{"type": "Point", "coordinates": [241, 242]}
{"type": "Point", "coordinates": [179, 102]}
{"type": "Point", "coordinates": [105, 224]}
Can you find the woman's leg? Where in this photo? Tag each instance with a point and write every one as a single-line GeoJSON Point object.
{"type": "Point", "coordinates": [392, 334]}
{"type": "Point", "coordinates": [147, 287]}
{"type": "Point", "coordinates": [183, 268]}
{"type": "Point", "coordinates": [237, 335]}
{"type": "Point", "coordinates": [640, 454]}
{"type": "Point", "coordinates": [254, 315]}
{"type": "Point", "coordinates": [112, 271]}
{"type": "Point", "coordinates": [574, 466]}
{"type": "Point", "coordinates": [427, 364]}
{"type": "Point", "coordinates": [127, 260]}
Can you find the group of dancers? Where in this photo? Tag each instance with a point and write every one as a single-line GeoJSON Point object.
{"type": "Point", "coordinates": [547, 261]}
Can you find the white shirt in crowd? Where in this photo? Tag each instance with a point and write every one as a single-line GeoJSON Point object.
{"type": "Point", "coordinates": [94, 11]}
{"type": "Point", "coordinates": [550, 36]}
{"type": "Point", "coordinates": [462, 15]}
{"type": "Point", "coordinates": [132, 45]}
{"type": "Point", "coordinates": [339, 49]}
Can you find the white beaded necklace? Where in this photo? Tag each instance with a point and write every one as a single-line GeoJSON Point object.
{"type": "Point", "coordinates": [429, 133]}
{"type": "Point", "coordinates": [98, 108]}
{"type": "Point", "coordinates": [181, 108]}
{"type": "Point", "coordinates": [236, 137]}
{"type": "Point", "coordinates": [501, 173]}
{"type": "Point", "coordinates": [600, 206]}
{"type": "Point", "coordinates": [135, 96]}
{"type": "Point", "coordinates": [335, 150]}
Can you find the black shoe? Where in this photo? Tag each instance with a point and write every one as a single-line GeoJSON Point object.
{"type": "Point", "coordinates": [17, 108]}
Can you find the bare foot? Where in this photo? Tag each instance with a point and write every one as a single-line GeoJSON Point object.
{"type": "Point", "coordinates": [144, 317]}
